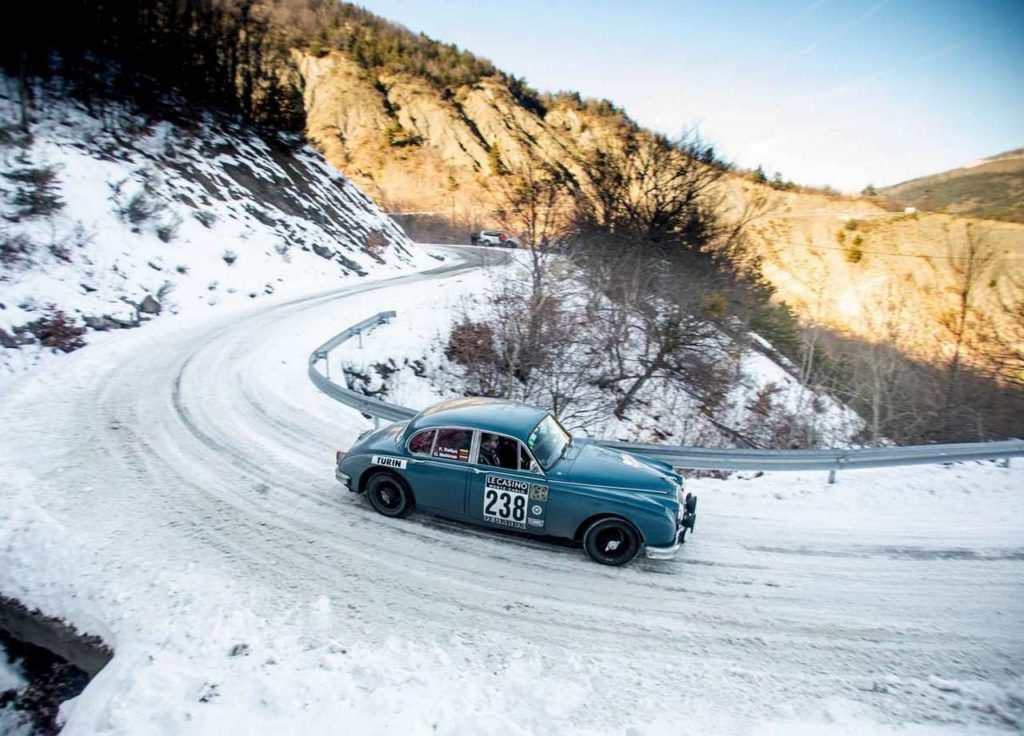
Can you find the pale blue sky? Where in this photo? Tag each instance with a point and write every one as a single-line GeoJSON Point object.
{"type": "Point", "coordinates": [839, 92]}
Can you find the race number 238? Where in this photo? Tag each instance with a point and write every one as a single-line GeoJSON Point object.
{"type": "Point", "coordinates": [505, 505]}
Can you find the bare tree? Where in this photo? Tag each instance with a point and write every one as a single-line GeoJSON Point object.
{"type": "Point", "coordinates": [960, 322]}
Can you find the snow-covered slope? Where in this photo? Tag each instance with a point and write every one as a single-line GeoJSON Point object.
{"type": "Point", "coordinates": [405, 363]}
{"type": "Point", "coordinates": [113, 216]}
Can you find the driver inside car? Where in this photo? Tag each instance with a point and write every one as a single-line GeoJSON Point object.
{"type": "Point", "coordinates": [489, 450]}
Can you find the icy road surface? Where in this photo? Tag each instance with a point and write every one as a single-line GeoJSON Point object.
{"type": "Point", "coordinates": [171, 489]}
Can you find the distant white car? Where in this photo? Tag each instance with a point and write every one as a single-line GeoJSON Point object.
{"type": "Point", "coordinates": [495, 238]}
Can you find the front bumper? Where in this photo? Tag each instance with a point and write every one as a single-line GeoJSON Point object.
{"type": "Point", "coordinates": [685, 523]}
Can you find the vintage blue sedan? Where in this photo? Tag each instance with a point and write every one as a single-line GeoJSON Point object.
{"type": "Point", "coordinates": [505, 464]}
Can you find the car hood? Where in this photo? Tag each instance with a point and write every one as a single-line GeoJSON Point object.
{"type": "Point", "coordinates": [599, 466]}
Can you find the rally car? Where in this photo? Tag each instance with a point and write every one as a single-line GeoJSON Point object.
{"type": "Point", "coordinates": [505, 464]}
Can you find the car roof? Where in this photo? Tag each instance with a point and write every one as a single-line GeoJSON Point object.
{"type": "Point", "coordinates": [479, 412]}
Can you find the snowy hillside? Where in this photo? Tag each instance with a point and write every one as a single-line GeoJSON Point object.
{"type": "Point", "coordinates": [113, 218]}
{"type": "Point", "coordinates": [405, 363]}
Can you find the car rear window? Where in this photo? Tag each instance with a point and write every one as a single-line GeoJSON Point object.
{"type": "Point", "coordinates": [422, 442]}
{"type": "Point", "coordinates": [453, 444]}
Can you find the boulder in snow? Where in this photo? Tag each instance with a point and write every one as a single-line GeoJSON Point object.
{"type": "Point", "coordinates": [150, 305]}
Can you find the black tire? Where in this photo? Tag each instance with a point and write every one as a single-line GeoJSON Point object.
{"type": "Point", "coordinates": [389, 495]}
{"type": "Point", "coordinates": [612, 542]}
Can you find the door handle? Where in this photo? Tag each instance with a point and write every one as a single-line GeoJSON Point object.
{"type": "Point", "coordinates": [478, 471]}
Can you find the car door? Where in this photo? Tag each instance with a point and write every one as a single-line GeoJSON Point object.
{"type": "Point", "coordinates": [438, 467]}
{"type": "Point", "coordinates": [506, 486]}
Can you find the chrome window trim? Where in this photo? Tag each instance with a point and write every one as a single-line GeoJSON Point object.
{"type": "Point", "coordinates": [433, 442]}
{"type": "Point", "coordinates": [474, 458]}
{"type": "Point", "coordinates": [474, 447]}
{"type": "Point", "coordinates": [433, 445]}
{"type": "Point", "coordinates": [559, 425]}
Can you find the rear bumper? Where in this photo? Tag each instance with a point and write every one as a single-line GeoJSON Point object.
{"type": "Point", "coordinates": [342, 478]}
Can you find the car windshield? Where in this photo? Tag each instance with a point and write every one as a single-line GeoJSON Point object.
{"type": "Point", "coordinates": [548, 441]}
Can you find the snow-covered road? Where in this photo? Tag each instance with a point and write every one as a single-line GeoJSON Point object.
{"type": "Point", "coordinates": [172, 490]}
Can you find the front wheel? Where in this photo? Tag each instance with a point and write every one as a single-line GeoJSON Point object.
{"type": "Point", "coordinates": [611, 541]}
{"type": "Point", "coordinates": [389, 495]}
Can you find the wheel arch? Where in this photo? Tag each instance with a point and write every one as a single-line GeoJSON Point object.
{"type": "Point", "coordinates": [377, 470]}
{"type": "Point", "coordinates": [594, 518]}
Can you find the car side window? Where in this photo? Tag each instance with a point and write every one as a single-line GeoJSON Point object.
{"type": "Point", "coordinates": [453, 444]}
{"type": "Point", "coordinates": [498, 451]}
{"type": "Point", "coordinates": [526, 462]}
{"type": "Point", "coordinates": [422, 442]}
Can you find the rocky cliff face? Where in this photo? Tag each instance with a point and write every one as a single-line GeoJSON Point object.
{"type": "Point", "coordinates": [419, 149]}
{"type": "Point", "coordinates": [842, 262]}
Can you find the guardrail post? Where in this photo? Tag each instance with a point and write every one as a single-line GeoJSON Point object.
{"type": "Point", "coordinates": [1006, 462]}
{"type": "Point", "coordinates": [360, 334]}
{"type": "Point", "coordinates": [840, 462]}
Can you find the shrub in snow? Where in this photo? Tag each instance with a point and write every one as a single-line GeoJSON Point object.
{"type": "Point", "coordinates": [60, 251]}
{"type": "Point", "coordinates": [229, 257]}
{"type": "Point", "coordinates": [57, 330]}
{"type": "Point", "coordinates": [36, 195]}
{"type": "Point", "coordinates": [14, 249]}
{"type": "Point", "coordinates": [140, 207]}
{"type": "Point", "coordinates": [375, 243]}
{"type": "Point", "coordinates": [206, 218]}
{"type": "Point", "coordinates": [168, 230]}
{"type": "Point", "coordinates": [165, 288]}
{"type": "Point", "coordinates": [471, 345]}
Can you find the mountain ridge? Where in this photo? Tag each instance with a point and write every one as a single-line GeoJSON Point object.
{"type": "Point", "coordinates": [988, 188]}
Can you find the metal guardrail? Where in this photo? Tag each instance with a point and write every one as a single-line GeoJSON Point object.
{"type": "Point", "coordinates": [374, 408]}
{"type": "Point", "coordinates": [831, 460]}
{"type": "Point", "coordinates": [695, 458]}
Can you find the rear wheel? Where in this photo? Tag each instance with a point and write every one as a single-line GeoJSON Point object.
{"type": "Point", "coordinates": [389, 495]}
{"type": "Point", "coordinates": [611, 541]}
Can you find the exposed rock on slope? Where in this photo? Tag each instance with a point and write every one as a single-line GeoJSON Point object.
{"type": "Point", "coordinates": [416, 148]}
